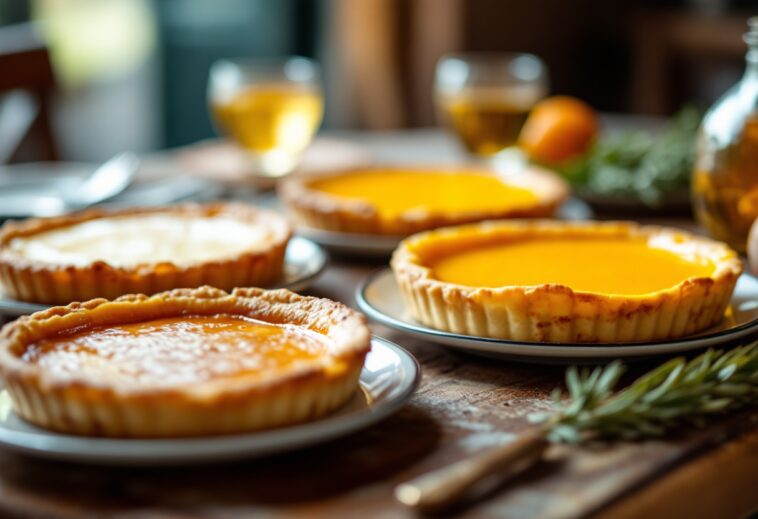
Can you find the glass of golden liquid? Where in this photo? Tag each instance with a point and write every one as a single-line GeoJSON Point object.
{"type": "Point", "coordinates": [270, 107]}
{"type": "Point", "coordinates": [486, 98]}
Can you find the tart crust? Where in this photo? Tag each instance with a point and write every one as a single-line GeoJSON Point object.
{"type": "Point", "coordinates": [222, 406]}
{"type": "Point", "coordinates": [314, 208]}
{"type": "Point", "coordinates": [555, 313]}
{"type": "Point", "coordinates": [37, 281]}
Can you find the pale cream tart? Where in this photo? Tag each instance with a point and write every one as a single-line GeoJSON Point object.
{"type": "Point", "coordinates": [549, 281]}
{"type": "Point", "coordinates": [107, 254]}
{"type": "Point", "coordinates": [183, 363]}
{"type": "Point", "coordinates": [401, 201]}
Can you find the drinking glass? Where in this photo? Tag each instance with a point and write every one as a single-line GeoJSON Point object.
{"type": "Point", "coordinates": [486, 98]}
{"type": "Point", "coordinates": [270, 107]}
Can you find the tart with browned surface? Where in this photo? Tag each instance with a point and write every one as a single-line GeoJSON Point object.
{"type": "Point", "coordinates": [186, 362]}
{"type": "Point", "coordinates": [401, 201]}
{"type": "Point", "coordinates": [547, 281]}
{"type": "Point", "coordinates": [101, 253]}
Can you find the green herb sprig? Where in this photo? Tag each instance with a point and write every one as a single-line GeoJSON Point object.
{"type": "Point", "coordinates": [676, 393]}
{"type": "Point", "coordinates": [636, 163]}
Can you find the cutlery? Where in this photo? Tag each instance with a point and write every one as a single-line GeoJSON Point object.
{"type": "Point", "coordinates": [448, 486]}
{"type": "Point", "coordinates": [51, 195]}
{"type": "Point", "coordinates": [107, 181]}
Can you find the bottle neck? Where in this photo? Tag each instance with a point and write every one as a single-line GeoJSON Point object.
{"type": "Point", "coordinates": [751, 60]}
{"type": "Point", "coordinates": [751, 38]}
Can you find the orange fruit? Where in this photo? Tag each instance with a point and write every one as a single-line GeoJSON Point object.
{"type": "Point", "coordinates": [558, 128]}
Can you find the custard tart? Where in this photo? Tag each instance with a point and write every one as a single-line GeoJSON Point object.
{"type": "Point", "coordinates": [402, 201]}
{"type": "Point", "coordinates": [549, 281]}
{"type": "Point", "coordinates": [187, 362]}
{"type": "Point", "coordinates": [107, 254]}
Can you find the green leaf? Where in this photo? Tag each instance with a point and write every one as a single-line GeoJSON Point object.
{"type": "Point", "coordinates": [675, 393]}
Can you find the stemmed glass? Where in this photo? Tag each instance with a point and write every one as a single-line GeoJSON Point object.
{"type": "Point", "coordinates": [485, 98]}
{"type": "Point", "coordinates": [270, 107]}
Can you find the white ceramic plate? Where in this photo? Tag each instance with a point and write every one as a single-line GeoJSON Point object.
{"type": "Point", "coordinates": [389, 378]}
{"type": "Point", "coordinates": [348, 243]}
{"type": "Point", "coordinates": [380, 298]}
{"type": "Point", "coordinates": [303, 263]}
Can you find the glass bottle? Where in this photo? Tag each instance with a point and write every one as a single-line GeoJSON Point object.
{"type": "Point", "coordinates": [725, 178]}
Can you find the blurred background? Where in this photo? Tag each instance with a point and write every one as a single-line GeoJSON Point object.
{"type": "Point", "coordinates": [95, 77]}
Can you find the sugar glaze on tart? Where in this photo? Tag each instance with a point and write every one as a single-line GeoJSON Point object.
{"type": "Point", "coordinates": [176, 351]}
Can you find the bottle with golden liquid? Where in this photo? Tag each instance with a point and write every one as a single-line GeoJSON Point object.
{"type": "Point", "coordinates": [725, 178]}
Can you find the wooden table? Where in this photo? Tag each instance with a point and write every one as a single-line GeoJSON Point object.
{"type": "Point", "coordinates": [465, 403]}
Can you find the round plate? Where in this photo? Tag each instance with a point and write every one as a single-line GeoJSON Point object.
{"type": "Point", "coordinates": [377, 245]}
{"type": "Point", "coordinates": [35, 188]}
{"type": "Point", "coordinates": [389, 378]}
{"type": "Point", "coordinates": [348, 243]}
{"type": "Point", "coordinates": [673, 204]}
{"type": "Point", "coordinates": [304, 261]}
{"type": "Point", "coordinates": [351, 243]}
{"type": "Point", "coordinates": [380, 298]}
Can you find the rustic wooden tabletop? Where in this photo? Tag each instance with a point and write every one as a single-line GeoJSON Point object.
{"type": "Point", "coordinates": [464, 404]}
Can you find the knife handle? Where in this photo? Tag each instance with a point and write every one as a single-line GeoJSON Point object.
{"type": "Point", "coordinates": [447, 486]}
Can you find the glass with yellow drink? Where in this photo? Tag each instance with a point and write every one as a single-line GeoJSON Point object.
{"type": "Point", "coordinates": [485, 98]}
{"type": "Point", "coordinates": [271, 108]}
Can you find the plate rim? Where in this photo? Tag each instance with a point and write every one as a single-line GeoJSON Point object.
{"type": "Point", "coordinates": [209, 449]}
{"type": "Point", "coordinates": [565, 350]}
{"type": "Point", "coordinates": [345, 242]}
{"type": "Point", "coordinates": [14, 308]}
{"type": "Point", "coordinates": [369, 243]}
{"type": "Point", "coordinates": [305, 281]}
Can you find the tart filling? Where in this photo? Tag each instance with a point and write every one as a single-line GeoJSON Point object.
{"type": "Point", "coordinates": [585, 265]}
{"type": "Point", "coordinates": [566, 282]}
{"type": "Point", "coordinates": [183, 363]}
{"type": "Point", "coordinates": [131, 240]}
{"type": "Point", "coordinates": [393, 193]}
{"type": "Point", "coordinates": [108, 254]}
{"type": "Point", "coordinates": [176, 351]}
{"type": "Point", "coordinates": [406, 200]}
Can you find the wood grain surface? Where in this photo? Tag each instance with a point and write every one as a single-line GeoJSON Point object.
{"type": "Point", "coordinates": [465, 403]}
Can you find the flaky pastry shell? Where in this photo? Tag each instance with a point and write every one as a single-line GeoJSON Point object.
{"type": "Point", "coordinates": [555, 313]}
{"type": "Point", "coordinates": [49, 283]}
{"type": "Point", "coordinates": [223, 406]}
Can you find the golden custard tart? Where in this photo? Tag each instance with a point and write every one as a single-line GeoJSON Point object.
{"type": "Point", "coordinates": [107, 254]}
{"type": "Point", "coordinates": [187, 362]}
{"type": "Point", "coordinates": [402, 201]}
{"type": "Point", "coordinates": [549, 281]}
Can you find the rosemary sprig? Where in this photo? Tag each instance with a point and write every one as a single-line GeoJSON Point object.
{"type": "Point", "coordinates": [675, 393]}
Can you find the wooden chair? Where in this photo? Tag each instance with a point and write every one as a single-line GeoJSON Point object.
{"type": "Point", "coordinates": [26, 84]}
